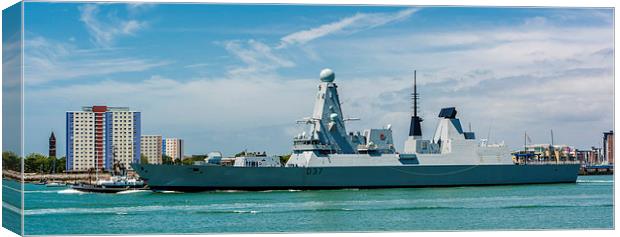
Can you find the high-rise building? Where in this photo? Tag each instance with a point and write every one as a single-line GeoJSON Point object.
{"type": "Point", "coordinates": [151, 147]}
{"type": "Point", "coordinates": [99, 136]}
{"type": "Point", "coordinates": [173, 147]}
{"type": "Point", "coordinates": [52, 146]}
{"type": "Point", "coordinates": [608, 146]}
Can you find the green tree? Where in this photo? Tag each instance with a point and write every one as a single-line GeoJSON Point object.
{"type": "Point", "coordinates": [166, 160]}
{"type": "Point", "coordinates": [187, 161]}
{"type": "Point", "coordinates": [61, 165]}
{"type": "Point", "coordinates": [191, 160]}
{"type": "Point", "coordinates": [11, 161]}
{"type": "Point", "coordinates": [143, 159]}
{"type": "Point", "coordinates": [37, 163]}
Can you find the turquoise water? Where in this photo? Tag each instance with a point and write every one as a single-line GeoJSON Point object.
{"type": "Point", "coordinates": [11, 205]}
{"type": "Point", "coordinates": [587, 204]}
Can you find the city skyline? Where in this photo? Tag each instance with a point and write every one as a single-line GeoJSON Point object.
{"type": "Point", "coordinates": [225, 77]}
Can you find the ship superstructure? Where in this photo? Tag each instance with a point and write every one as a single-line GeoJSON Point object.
{"type": "Point", "coordinates": [329, 144]}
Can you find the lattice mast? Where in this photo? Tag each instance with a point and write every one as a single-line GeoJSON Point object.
{"type": "Point", "coordinates": [415, 129]}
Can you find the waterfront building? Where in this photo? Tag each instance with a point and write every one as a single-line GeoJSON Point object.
{"type": "Point", "coordinates": [596, 156]}
{"type": "Point", "coordinates": [589, 157]}
{"type": "Point", "coordinates": [52, 146]}
{"type": "Point", "coordinates": [593, 156]}
{"type": "Point", "coordinates": [581, 156]}
{"type": "Point", "coordinates": [151, 147]}
{"type": "Point", "coordinates": [608, 146]}
{"type": "Point", "coordinates": [99, 136]}
{"type": "Point", "coordinates": [548, 153]}
{"type": "Point", "coordinates": [173, 147]}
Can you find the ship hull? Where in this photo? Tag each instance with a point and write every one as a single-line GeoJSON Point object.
{"type": "Point", "coordinates": [194, 178]}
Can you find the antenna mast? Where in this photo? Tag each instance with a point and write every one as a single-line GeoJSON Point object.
{"type": "Point", "coordinates": [415, 129]}
{"type": "Point", "coordinates": [525, 147]}
{"type": "Point", "coordinates": [552, 137]}
{"type": "Point", "coordinates": [415, 95]}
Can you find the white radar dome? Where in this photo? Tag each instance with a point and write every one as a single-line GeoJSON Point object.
{"type": "Point", "coordinates": [327, 75]}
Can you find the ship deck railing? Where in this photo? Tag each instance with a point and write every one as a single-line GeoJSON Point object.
{"type": "Point", "coordinates": [310, 147]}
{"type": "Point", "coordinates": [547, 162]}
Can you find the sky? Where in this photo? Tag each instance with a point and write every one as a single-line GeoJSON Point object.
{"type": "Point", "coordinates": [231, 77]}
{"type": "Point", "coordinates": [11, 79]}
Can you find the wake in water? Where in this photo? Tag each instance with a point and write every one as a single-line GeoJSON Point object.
{"type": "Point", "coordinates": [243, 211]}
{"type": "Point", "coordinates": [297, 207]}
{"type": "Point", "coordinates": [41, 191]}
{"type": "Point", "coordinates": [595, 181]}
{"type": "Point", "coordinates": [167, 191]}
{"type": "Point", "coordinates": [11, 208]}
{"type": "Point", "coordinates": [133, 191]}
{"type": "Point", "coordinates": [230, 191]}
{"type": "Point", "coordinates": [280, 190]}
{"type": "Point", "coordinates": [11, 188]}
{"type": "Point", "coordinates": [70, 191]}
{"type": "Point", "coordinates": [126, 210]}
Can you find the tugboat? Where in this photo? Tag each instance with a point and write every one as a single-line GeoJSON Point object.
{"type": "Point", "coordinates": [114, 185]}
{"type": "Point", "coordinates": [118, 182]}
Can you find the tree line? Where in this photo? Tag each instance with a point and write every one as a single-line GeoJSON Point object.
{"type": "Point", "coordinates": [34, 163]}
{"type": "Point", "coordinates": [39, 163]}
{"type": "Point", "coordinates": [167, 160]}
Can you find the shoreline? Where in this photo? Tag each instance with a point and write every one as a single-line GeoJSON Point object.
{"type": "Point", "coordinates": [63, 177]}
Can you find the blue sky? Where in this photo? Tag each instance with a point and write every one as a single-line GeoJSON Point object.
{"type": "Point", "coordinates": [234, 77]}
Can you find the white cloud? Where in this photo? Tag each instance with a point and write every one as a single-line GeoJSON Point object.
{"type": "Point", "coordinates": [47, 60]}
{"type": "Point", "coordinates": [466, 58]}
{"type": "Point", "coordinates": [197, 65]}
{"type": "Point", "coordinates": [522, 77]}
{"type": "Point", "coordinates": [535, 21]}
{"type": "Point", "coordinates": [357, 22]}
{"type": "Point", "coordinates": [135, 8]}
{"type": "Point", "coordinates": [257, 57]}
{"type": "Point", "coordinates": [105, 32]}
{"type": "Point", "coordinates": [260, 58]}
{"type": "Point", "coordinates": [11, 60]}
{"type": "Point", "coordinates": [302, 37]}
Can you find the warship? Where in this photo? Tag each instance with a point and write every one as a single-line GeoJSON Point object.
{"type": "Point", "coordinates": [327, 156]}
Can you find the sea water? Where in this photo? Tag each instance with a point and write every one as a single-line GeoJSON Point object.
{"type": "Point", "coordinates": [587, 204]}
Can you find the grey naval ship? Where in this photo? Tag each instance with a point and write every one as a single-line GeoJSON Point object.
{"type": "Point", "coordinates": [327, 156]}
